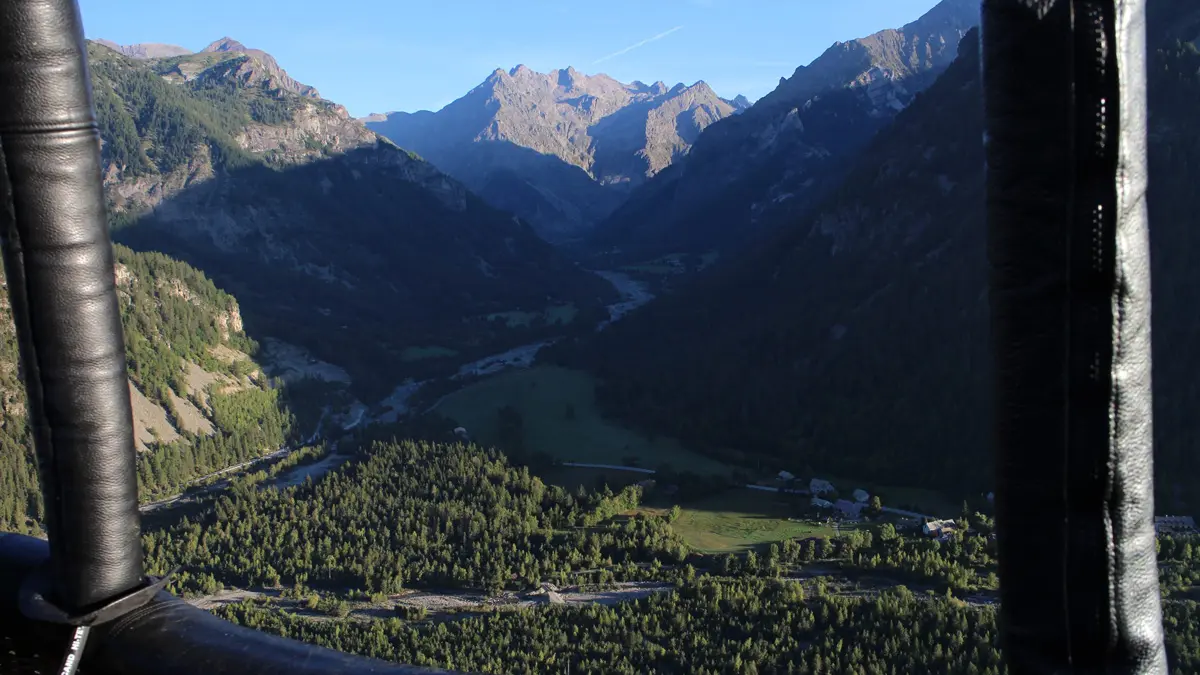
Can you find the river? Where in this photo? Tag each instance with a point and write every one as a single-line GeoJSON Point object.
{"type": "Point", "coordinates": [634, 294]}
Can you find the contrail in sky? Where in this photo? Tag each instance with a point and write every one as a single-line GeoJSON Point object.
{"type": "Point", "coordinates": [634, 46]}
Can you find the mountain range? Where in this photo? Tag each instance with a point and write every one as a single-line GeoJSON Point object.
{"type": "Point", "coordinates": [845, 326]}
{"type": "Point", "coordinates": [277, 262]}
{"type": "Point", "coordinates": [855, 339]}
{"type": "Point", "coordinates": [328, 234]}
{"type": "Point", "coordinates": [145, 50]}
{"type": "Point", "coordinates": [749, 173]}
{"type": "Point", "coordinates": [559, 149]}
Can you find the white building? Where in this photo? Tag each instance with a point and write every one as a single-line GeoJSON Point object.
{"type": "Point", "coordinates": [937, 528]}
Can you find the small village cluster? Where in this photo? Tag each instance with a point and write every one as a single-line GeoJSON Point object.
{"type": "Point", "coordinates": [851, 510]}
{"type": "Point", "coordinates": [823, 496]}
{"type": "Point", "coordinates": [847, 508]}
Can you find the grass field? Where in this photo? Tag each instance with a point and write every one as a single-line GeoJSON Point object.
{"type": "Point", "coordinates": [411, 354]}
{"type": "Point", "coordinates": [658, 269]}
{"type": "Point", "coordinates": [666, 265]}
{"type": "Point", "coordinates": [672, 264]}
{"type": "Point", "coordinates": [514, 319]}
{"type": "Point", "coordinates": [542, 395]}
{"type": "Point", "coordinates": [571, 477]}
{"type": "Point", "coordinates": [555, 314]}
{"type": "Point", "coordinates": [738, 519]}
{"type": "Point", "coordinates": [925, 501]}
{"type": "Point", "coordinates": [734, 520]}
{"type": "Point", "coordinates": [561, 314]}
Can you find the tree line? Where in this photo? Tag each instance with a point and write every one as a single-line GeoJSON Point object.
{"type": "Point", "coordinates": [417, 513]}
{"type": "Point", "coordinates": [134, 104]}
{"type": "Point", "coordinates": [430, 514]}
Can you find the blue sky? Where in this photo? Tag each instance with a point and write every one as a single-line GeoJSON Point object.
{"type": "Point", "coordinates": [417, 54]}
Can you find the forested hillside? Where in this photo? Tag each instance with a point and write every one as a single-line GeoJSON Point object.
{"type": "Point", "coordinates": [332, 562]}
{"type": "Point", "coordinates": [459, 517]}
{"type": "Point", "coordinates": [200, 400]}
{"type": "Point", "coordinates": [857, 341]}
{"type": "Point", "coordinates": [329, 235]}
{"type": "Point", "coordinates": [413, 514]}
{"type": "Point", "coordinates": [817, 352]}
{"type": "Point", "coordinates": [326, 562]}
{"type": "Point", "coordinates": [752, 173]}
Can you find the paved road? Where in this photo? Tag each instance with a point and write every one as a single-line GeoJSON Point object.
{"type": "Point", "coordinates": [278, 454]}
{"type": "Point", "coordinates": [155, 505]}
{"type": "Point", "coordinates": [761, 488]}
{"type": "Point", "coordinates": [614, 467]}
{"type": "Point", "coordinates": [767, 488]}
{"type": "Point", "coordinates": [910, 514]}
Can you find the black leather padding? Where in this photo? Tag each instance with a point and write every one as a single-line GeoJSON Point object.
{"type": "Point", "coordinates": [168, 636]}
{"type": "Point", "coordinates": [59, 266]}
{"type": "Point", "coordinates": [1070, 301]}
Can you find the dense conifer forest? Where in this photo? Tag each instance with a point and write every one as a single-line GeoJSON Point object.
{"type": "Point", "coordinates": [172, 316]}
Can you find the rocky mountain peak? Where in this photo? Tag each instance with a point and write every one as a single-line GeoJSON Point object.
{"type": "Point", "coordinates": [567, 77]}
{"type": "Point", "coordinates": [258, 68]}
{"type": "Point", "coordinates": [777, 158]}
{"type": "Point", "coordinates": [225, 44]}
{"type": "Point", "coordinates": [918, 51]}
{"type": "Point", "coordinates": [294, 189]}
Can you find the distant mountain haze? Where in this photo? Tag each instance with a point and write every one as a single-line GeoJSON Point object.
{"type": "Point", "coordinates": [146, 50]}
{"type": "Point", "coordinates": [570, 145]}
{"type": "Point", "coordinates": [747, 173]}
{"type": "Point", "coordinates": [739, 103]}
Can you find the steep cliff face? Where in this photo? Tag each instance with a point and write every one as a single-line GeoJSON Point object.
{"type": "Point", "coordinates": [768, 165]}
{"type": "Point", "coordinates": [192, 373]}
{"type": "Point", "coordinates": [317, 223]}
{"type": "Point", "coordinates": [895, 62]}
{"type": "Point", "coordinates": [558, 140]}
